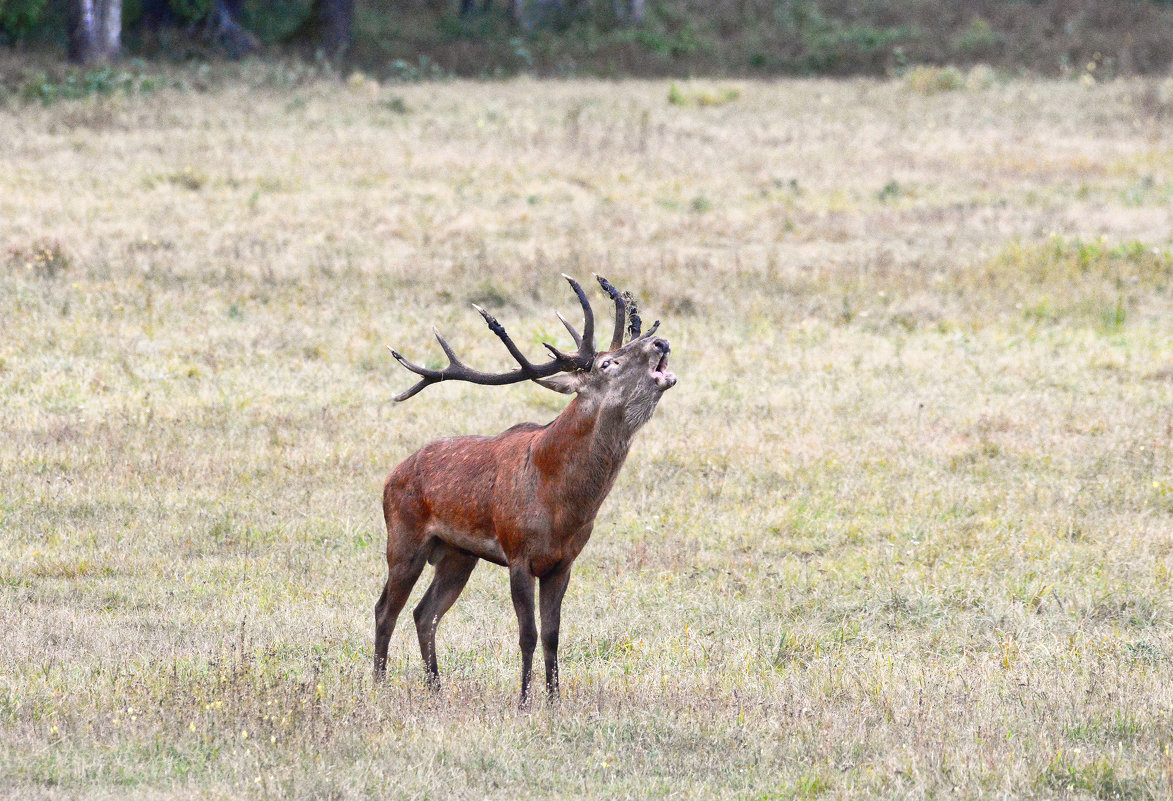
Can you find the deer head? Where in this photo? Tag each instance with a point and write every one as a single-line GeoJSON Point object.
{"type": "Point", "coordinates": [626, 379]}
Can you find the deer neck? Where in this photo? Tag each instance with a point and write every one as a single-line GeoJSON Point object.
{"type": "Point", "coordinates": [582, 451]}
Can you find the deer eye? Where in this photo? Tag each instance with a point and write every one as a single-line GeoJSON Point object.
{"type": "Point", "coordinates": [606, 364]}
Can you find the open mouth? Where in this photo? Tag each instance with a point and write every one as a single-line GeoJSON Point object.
{"type": "Point", "coordinates": [664, 379]}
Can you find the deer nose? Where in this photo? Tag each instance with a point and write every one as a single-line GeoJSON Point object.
{"type": "Point", "coordinates": [661, 345]}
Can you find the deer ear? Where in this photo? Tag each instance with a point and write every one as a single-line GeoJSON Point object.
{"type": "Point", "coordinates": [566, 383]}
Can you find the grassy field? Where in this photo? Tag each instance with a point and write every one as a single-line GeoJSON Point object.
{"type": "Point", "coordinates": [904, 529]}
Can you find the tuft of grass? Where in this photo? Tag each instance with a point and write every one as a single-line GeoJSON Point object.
{"type": "Point", "coordinates": [890, 191]}
{"type": "Point", "coordinates": [701, 96]}
{"type": "Point", "coordinates": [44, 258]}
{"type": "Point", "coordinates": [929, 80]}
{"type": "Point", "coordinates": [1098, 777]}
{"type": "Point", "coordinates": [700, 204]}
{"type": "Point", "coordinates": [396, 105]}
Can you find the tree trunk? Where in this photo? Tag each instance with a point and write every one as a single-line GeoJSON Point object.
{"type": "Point", "coordinates": [95, 31]}
{"type": "Point", "coordinates": [629, 12]}
{"type": "Point", "coordinates": [336, 22]}
{"type": "Point", "coordinates": [537, 14]}
{"type": "Point", "coordinates": [156, 17]}
{"type": "Point", "coordinates": [225, 30]}
{"type": "Point", "coordinates": [220, 27]}
{"type": "Point", "coordinates": [328, 29]}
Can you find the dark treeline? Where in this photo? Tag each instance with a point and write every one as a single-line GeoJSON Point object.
{"type": "Point", "coordinates": [611, 37]}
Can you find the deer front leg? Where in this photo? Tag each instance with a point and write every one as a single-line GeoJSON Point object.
{"type": "Point", "coordinates": [521, 587]}
{"type": "Point", "coordinates": [553, 589]}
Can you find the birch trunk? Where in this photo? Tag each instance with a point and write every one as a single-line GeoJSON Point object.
{"type": "Point", "coordinates": [95, 37]}
{"type": "Point", "coordinates": [111, 33]}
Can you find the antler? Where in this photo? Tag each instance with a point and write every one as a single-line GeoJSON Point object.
{"type": "Point", "coordinates": [458, 371]}
{"type": "Point", "coordinates": [620, 311]}
{"type": "Point", "coordinates": [625, 307]}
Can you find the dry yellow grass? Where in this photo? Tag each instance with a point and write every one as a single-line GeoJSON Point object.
{"type": "Point", "coordinates": [904, 528]}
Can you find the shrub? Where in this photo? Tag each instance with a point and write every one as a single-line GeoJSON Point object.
{"type": "Point", "coordinates": [189, 11]}
{"type": "Point", "coordinates": [977, 41]}
{"type": "Point", "coordinates": [702, 97]}
{"type": "Point", "coordinates": [75, 85]}
{"type": "Point", "coordinates": [928, 80]}
{"type": "Point", "coordinates": [19, 17]}
{"type": "Point", "coordinates": [45, 258]}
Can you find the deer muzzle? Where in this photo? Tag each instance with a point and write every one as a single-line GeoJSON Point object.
{"type": "Point", "coordinates": [664, 380]}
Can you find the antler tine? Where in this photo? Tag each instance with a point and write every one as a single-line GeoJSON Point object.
{"type": "Point", "coordinates": [650, 331]}
{"type": "Point", "coordinates": [574, 334]}
{"type": "Point", "coordinates": [586, 343]}
{"type": "Point", "coordinates": [452, 358]}
{"type": "Point", "coordinates": [560, 356]}
{"type": "Point", "coordinates": [620, 311]}
{"type": "Point", "coordinates": [427, 379]}
{"type": "Point", "coordinates": [429, 376]}
{"type": "Point", "coordinates": [503, 335]}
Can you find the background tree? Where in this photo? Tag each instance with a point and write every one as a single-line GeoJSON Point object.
{"type": "Point", "coordinates": [19, 17]}
{"type": "Point", "coordinates": [223, 28]}
{"type": "Point", "coordinates": [218, 22]}
{"type": "Point", "coordinates": [515, 8]}
{"type": "Point", "coordinates": [95, 31]}
{"type": "Point", "coordinates": [329, 29]}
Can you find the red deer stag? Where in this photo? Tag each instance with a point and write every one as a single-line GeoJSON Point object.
{"type": "Point", "coordinates": [526, 498]}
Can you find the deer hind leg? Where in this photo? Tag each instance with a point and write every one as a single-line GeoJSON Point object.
{"type": "Point", "coordinates": [453, 568]}
{"type": "Point", "coordinates": [404, 566]}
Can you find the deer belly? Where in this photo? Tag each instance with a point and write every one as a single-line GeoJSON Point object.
{"type": "Point", "coordinates": [476, 543]}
